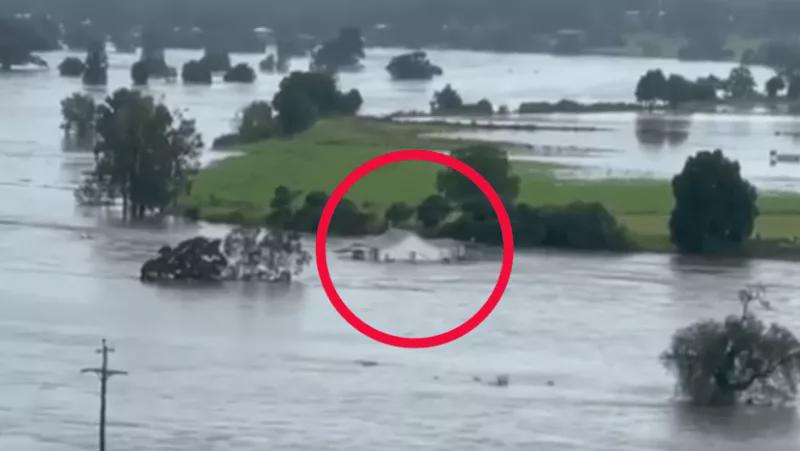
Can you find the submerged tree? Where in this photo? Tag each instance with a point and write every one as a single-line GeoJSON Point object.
{"type": "Point", "coordinates": [71, 67]}
{"type": "Point", "coordinates": [774, 86]}
{"type": "Point", "coordinates": [216, 60]}
{"type": "Point", "coordinates": [344, 51]}
{"type": "Point", "coordinates": [196, 72]}
{"type": "Point", "coordinates": [96, 72]}
{"type": "Point", "coordinates": [78, 112]}
{"type": "Point", "coordinates": [140, 73]}
{"type": "Point", "coordinates": [741, 358]}
{"type": "Point", "coordinates": [413, 66]}
{"type": "Point", "coordinates": [741, 83]}
{"type": "Point", "coordinates": [652, 87]}
{"type": "Point", "coordinates": [240, 73]}
{"type": "Point", "coordinates": [144, 153]}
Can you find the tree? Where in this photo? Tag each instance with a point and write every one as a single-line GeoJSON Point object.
{"type": "Point", "coordinates": [433, 210]}
{"type": "Point", "coordinates": [489, 161]}
{"type": "Point", "coordinates": [143, 152]}
{"type": "Point", "coordinates": [255, 122]}
{"type": "Point", "coordinates": [18, 39]}
{"type": "Point", "coordinates": [71, 67]}
{"type": "Point", "coordinates": [774, 86]}
{"type": "Point", "coordinates": [447, 99]}
{"type": "Point", "coordinates": [652, 87]}
{"type": "Point", "coordinates": [240, 73]}
{"type": "Point", "coordinates": [267, 64]}
{"type": "Point", "coordinates": [715, 207]}
{"type": "Point", "coordinates": [413, 66]}
{"type": "Point", "coordinates": [96, 72]}
{"type": "Point", "coordinates": [140, 73]}
{"type": "Point", "coordinates": [793, 92]}
{"type": "Point", "coordinates": [281, 211]}
{"type": "Point", "coordinates": [216, 60]}
{"type": "Point", "coordinates": [297, 112]}
{"type": "Point", "coordinates": [344, 51]}
{"type": "Point", "coordinates": [302, 97]}
{"type": "Point", "coordinates": [78, 112]}
{"type": "Point", "coordinates": [741, 83]}
{"type": "Point", "coordinates": [721, 362]}
{"type": "Point", "coordinates": [196, 72]}
{"type": "Point", "coordinates": [153, 53]}
{"type": "Point", "coordinates": [399, 213]}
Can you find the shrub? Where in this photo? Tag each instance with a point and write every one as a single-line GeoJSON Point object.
{"type": "Point", "coordinates": [195, 72]}
{"type": "Point", "coordinates": [71, 67]}
{"type": "Point", "coordinates": [240, 73]}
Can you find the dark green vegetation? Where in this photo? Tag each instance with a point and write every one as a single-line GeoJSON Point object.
{"type": "Point", "coordinates": [715, 209]}
{"type": "Point", "coordinates": [654, 88]}
{"type": "Point", "coordinates": [96, 72]}
{"type": "Point", "coordinates": [449, 101]}
{"type": "Point", "coordinates": [18, 40]}
{"type": "Point", "coordinates": [738, 359]}
{"type": "Point", "coordinates": [240, 73]}
{"type": "Point", "coordinates": [244, 254]}
{"type": "Point", "coordinates": [71, 67]}
{"type": "Point", "coordinates": [216, 60]}
{"type": "Point", "coordinates": [413, 66]}
{"type": "Point", "coordinates": [195, 72]}
{"type": "Point", "coordinates": [140, 73]}
{"type": "Point", "coordinates": [302, 99]}
{"type": "Point", "coordinates": [78, 112]}
{"type": "Point", "coordinates": [144, 154]}
{"type": "Point", "coordinates": [345, 51]}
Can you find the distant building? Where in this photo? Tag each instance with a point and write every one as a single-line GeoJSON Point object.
{"type": "Point", "coordinates": [398, 245]}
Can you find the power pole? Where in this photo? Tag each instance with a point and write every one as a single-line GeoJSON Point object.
{"type": "Point", "coordinates": [103, 373]}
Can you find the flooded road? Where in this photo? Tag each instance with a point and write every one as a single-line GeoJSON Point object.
{"type": "Point", "coordinates": [249, 367]}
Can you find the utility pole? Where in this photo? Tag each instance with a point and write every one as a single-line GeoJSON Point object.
{"type": "Point", "coordinates": [103, 373]}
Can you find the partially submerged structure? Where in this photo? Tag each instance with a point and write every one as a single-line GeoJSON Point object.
{"type": "Point", "coordinates": [397, 245]}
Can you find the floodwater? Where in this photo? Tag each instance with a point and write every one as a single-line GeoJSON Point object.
{"type": "Point", "coordinates": [250, 367]}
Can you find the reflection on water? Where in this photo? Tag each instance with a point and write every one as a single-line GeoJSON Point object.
{"type": "Point", "coordinates": [655, 131]}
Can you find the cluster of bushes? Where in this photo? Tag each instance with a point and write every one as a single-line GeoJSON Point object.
{"type": "Point", "coordinates": [449, 101]}
{"type": "Point", "coordinates": [201, 71]}
{"type": "Point", "coordinates": [302, 98]}
{"type": "Point", "coordinates": [348, 220]}
{"type": "Point", "coordinates": [654, 87]}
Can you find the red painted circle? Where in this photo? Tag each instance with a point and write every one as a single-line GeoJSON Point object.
{"type": "Point", "coordinates": [505, 229]}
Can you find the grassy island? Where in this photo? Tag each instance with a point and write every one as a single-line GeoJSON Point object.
{"type": "Point", "coordinates": [238, 189]}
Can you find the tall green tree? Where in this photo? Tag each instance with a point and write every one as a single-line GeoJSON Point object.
{"type": "Point", "coordinates": [489, 161]}
{"type": "Point", "coordinates": [346, 50]}
{"type": "Point", "coordinates": [741, 83]}
{"type": "Point", "coordinates": [715, 208]}
{"type": "Point", "coordinates": [143, 152]}
{"type": "Point", "coordinates": [652, 87]}
{"type": "Point", "coordinates": [774, 86]}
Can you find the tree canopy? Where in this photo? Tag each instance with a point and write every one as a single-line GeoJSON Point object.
{"type": "Point", "coordinates": [144, 152]}
{"type": "Point", "coordinates": [741, 84]}
{"type": "Point", "coordinates": [18, 39]}
{"type": "Point", "coordinates": [140, 73]}
{"type": "Point", "coordinates": [302, 97]}
{"type": "Point", "coordinates": [344, 51]}
{"type": "Point", "coordinates": [652, 87]}
{"type": "Point", "coordinates": [196, 72]}
{"type": "Point", "coordinates": [240, 73]}
{"type": "Point", "coordinates": [413, 66]}
{"type": "Point", "coordinates": [96, 72]}
{"type": "Point", "coordinates": [722, 362]}
{"type": "Point", "coordinates": [78, 112]}
{"type": "Point", "coordinates": [489, 161]}
{"type": "Point", "coordinates": [71, 67]}
{"type": "Point", "coordinates": [715, 208]}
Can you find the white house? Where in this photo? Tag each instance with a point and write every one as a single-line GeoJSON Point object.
{"type": "Point", "coordinates": [403, 246]}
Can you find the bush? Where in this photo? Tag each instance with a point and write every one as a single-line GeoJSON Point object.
{"type": "Point", "coordinates": [196, 72]}
{"type": "Point", "coordinates": [584, 226]}
{"type": "Point", "coordinates": [715, 208]}
{"type": "Point", "coordinates": [240, 73]}
{"type": "Point", "coordinates": [140, 73]}
{"type": "Point", "coordinates": [71, 67]}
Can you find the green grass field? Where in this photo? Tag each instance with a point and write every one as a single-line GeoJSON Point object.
{"type": "Point", "coordinates": [239, 189]}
